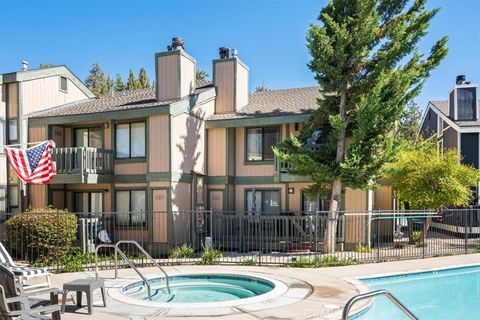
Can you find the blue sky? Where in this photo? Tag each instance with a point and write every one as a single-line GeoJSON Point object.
{"type": "Point", "coordinates": [269, 35]}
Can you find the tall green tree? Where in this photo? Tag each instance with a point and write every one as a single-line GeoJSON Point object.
{"type": "Point", "coordinates": [366, 61]}
{"type": "Point", "coordinates": [118, 84]}
{"type": "Point", "coordinates": [109, 84]}
{"type": "Point", "coordinates": [143, 81]}
{"type": "Point", "coordinates": [201, 75]}
{"type": "Point", "coordinates": [409, 125]}
{"type": "Point", "coordinates": [132, 82]}
{"type": "Point", "coordinates": [96, 80]}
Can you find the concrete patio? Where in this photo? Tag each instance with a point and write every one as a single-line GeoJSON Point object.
{"type": "Point", "coordinates": [330, 288]}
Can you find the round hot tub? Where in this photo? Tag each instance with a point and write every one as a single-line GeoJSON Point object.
{"type": "Point", "coordinates": [200, 288]}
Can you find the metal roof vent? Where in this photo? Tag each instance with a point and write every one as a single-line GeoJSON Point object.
{"type": "Point", "coordinates": [224, 52]}
{"type": "Point", "coordinates": [177, 44]}
{"type": "Point", "coordinates": [460, 79]}
{"type": "Point", "coordinates": [24, 65]}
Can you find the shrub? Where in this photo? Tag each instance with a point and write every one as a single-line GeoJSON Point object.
{"type": "Point", "coordinates": [184, 251]}
{"type": "Point", "coordinates": [363, 249]}
{"type": "Point", "coordinates": [323, 262]}
{"type": "Point", "coordinates": [211, 256]}
{"type": "Point", "coordinates": [42, 234]}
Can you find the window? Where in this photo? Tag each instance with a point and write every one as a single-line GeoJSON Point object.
{"type": "Point", "coordinates": [263, 201]}
{"type": "Point", "coordinates": [130, 207]}
{"type": "Point", "coordinates": [310, 205]}
{"type": "Point", "coordinates": [63, 84]}
{"type": "Point", "coordinates": [89, 137]}
{"type": "Point", "coordinates": [130, 140]}
{"type": "Point", "coordinates": [13, 130]}
{"type": "Point", "coordinates": [260, 142]}
{"type": "Point", "coordinates": [13, 196]}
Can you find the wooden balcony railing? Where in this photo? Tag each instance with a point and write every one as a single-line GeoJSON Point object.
{"type": "Point", "coordinates": [82, 160]}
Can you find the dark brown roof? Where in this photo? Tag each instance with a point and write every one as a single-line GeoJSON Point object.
{"type": "Point", "coordinates": [141, 98]}
{"type": "Point", "coordinates": [442, 106]}
{"type": "Point", "coordinates": [281, 102]}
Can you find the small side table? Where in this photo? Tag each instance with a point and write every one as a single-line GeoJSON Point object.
{"type": "Point", "coordinates": [87, 286]}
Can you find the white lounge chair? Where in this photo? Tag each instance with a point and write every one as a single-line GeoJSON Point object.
{"type": "Point", "coordinates": [24, 273]}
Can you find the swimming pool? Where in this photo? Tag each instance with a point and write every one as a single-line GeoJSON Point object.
{"type": "Point", "coordinates": [438, 294]}
{"type": "Point", "coordinates": [200, 288]}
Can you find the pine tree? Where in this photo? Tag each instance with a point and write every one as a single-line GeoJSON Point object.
{"type": "Point", "coordinates": [366, 61]}
{"type": "Point", "coordinates": [201, 76]}
{"type": "Point", "coordinates": [118, 84]}
{"type": "Point", "coordinates": [96, 80]}
{"type": "Point", "coordinates": [132, 82]}
{"type": "Point", "coordinates": [143, 81]}
{"type": "Point", "coordinates": [109, 85]}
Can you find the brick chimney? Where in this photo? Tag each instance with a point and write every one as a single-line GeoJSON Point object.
{"type": "Point", "coordinates": [175, 72]}
{"type": "Point", "coordinates": [230, 77]}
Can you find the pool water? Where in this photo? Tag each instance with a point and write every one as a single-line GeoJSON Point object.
{"type": "Point", "coordinates": [443, 294]}
{"type": "Point", "coordinates": [200, 288]}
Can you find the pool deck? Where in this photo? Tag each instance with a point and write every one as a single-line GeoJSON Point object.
{"type": "Point", "coordinates": [330, 289]}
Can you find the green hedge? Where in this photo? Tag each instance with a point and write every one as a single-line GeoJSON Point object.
{"type": "Point", "coordinates": [41, 235]}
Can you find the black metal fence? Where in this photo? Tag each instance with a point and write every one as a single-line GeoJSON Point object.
{"type": "Point", "coordinates": [206, 237]}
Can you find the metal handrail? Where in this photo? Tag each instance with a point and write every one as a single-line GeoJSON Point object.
{"type": "Point", "coordinates": [149, 257]}
{"type": "Point", "coordinates": [117, 249]}
{"type": "Point", "coordinates": [373, 294]}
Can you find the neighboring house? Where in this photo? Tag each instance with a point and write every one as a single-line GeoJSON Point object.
{"type": "Point", "coordinates": [25, 92]}
{"type": "Point", "coordinates": [455, 123]}
{"type": "Point", "coordinates": [184, 146]}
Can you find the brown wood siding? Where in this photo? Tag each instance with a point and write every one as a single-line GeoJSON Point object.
{"type": "Point", "coordinates": [159, 216]}
{"type": "Point", "coordinates": [216, 152]}
{"type": "Point", "coordinates": [12, 107]}
{"type": "Point", "coordinates": [36, 134]}
{"type": "Point", "coordinates": [167, 77]}
{"type": "Point", "coordinates": [243, 169]}
{"type": "Point", "coordinates": [158, 151]}
{"type": "Point", "coordinates": [224, 81]}
{"type": "Point", "coordinates": [131, 168]}
{"type": "Point", "coordinates": [355, 200]}
{"type": "Point", "coordinates": [37, 195]}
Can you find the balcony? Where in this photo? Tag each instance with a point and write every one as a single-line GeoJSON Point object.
{"type": "Point", "coordinates": [282, 175]}
{"type": "Point", "coordinates": [83, 165]}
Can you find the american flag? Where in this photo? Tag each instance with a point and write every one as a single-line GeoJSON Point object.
{"type": "Point", "coordinates": [34, 165]}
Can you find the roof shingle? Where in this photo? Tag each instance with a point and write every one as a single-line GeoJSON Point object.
{"type": "Point", "coordinates": [270, 103]}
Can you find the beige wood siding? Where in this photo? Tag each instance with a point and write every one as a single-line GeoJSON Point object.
{"type": "Point", "coordinates": [240, 193]}
{"type": "Point", "coordinates": [159, 184]}
{"type": "Point", "coordinates": [36, 134]}
{"type": "Point", "coordinates": [231, 151]}
{"type": "Point", "coordinates": [158, 151]}
{"type": "Point", "coordinates": [216, 152]}
{"type": "Point", "coordinates": [181, 201]}
{"type": "Point", "coordinates": [187, 76]}
{"type": "Point", "coordinates": [204, 110]}
{"type": "Point", "coordinates": [131, 168]}
{"type": "Point", "coordinates": [131, 185]}
{"type": "Point", "coordinates": [355, 200]}
{"type": "Point", "coordinates": [159, 216]}
{"type": "Point", "coordinates": [44, 93]}
{"type": "Point", "coordinates": [224, 81]}
{"type": "Point", "coordinates": [241, 91]}
{"type": "Point", "coordinates": [243, 169]}
{"type": "Point", "coordinates": [188, 142]}
{"type": "Point", "coordinates": [167, 77]}
{"type": "Point", "coordinates": [107, 135]}
{"type": "Point", "coordinates": [12, 107]}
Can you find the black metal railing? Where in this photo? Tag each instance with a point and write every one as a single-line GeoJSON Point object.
{"type": "Point", "coordinates": [293, 239]}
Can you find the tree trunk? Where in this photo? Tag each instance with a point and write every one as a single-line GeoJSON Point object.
{"type": "Point", "coordinates": [332, 221]}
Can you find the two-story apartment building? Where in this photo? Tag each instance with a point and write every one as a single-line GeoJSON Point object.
{"type": "Point", "coordinates": [24, 92]}
{"type": "Point", "coordinates": [455, 123]}
{"type": "Point", "coordinates": [183, 146]}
